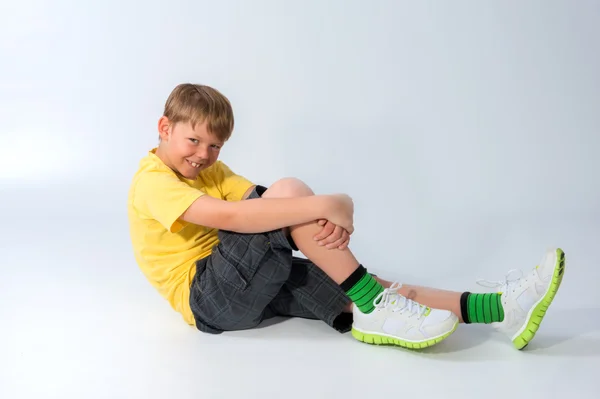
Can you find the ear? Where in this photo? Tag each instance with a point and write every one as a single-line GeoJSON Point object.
{"type": "Point", "coordinates": [164, 128]}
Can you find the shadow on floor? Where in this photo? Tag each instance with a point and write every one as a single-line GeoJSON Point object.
{"type": "Point", "coordinates": [563, 333]}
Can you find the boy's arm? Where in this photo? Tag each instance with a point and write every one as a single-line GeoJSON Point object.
{"type": "Point", "coordinates": [172, 202]}
{"type": "Point", "coordinates": [257, 215]}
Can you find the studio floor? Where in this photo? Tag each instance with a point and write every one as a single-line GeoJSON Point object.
{"type": "Point", "coordinates": [79, 321]}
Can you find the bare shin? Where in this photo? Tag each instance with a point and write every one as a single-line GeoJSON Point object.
{"type": "Point", "coordinates": [432, 297]}
{"type": "Point", "coordinates": [337, 264]}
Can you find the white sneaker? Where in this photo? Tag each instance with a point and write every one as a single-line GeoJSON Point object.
{"type": "Point", "coordinates": [526, 299]}
{"type": "Point", "coordinates": [397, 320]}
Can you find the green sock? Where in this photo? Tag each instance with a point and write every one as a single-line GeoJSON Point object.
{"type": "Point", "coordinates": [362, 289]}
{"type": "Point", "coordinates": [481, 308]}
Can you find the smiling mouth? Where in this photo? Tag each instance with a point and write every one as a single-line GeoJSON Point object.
{"type": "Point", "coordinates": [194, 164]}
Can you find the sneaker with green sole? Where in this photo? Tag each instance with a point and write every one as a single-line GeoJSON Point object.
{"type": "Point", "coordinates": [399, 321]}
{"type": "Point", "coordinates": [526, 299]}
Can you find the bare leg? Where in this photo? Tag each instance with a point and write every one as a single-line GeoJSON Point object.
{"type": "Point", "coordinates": [339, 264]}
{"type": "Point", "coordinates": [432, 297]}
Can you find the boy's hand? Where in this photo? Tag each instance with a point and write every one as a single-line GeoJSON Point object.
{"type": "Point", "coordinates": [332, 236]}
{"type": "Point", "coordinates": [341, 212]}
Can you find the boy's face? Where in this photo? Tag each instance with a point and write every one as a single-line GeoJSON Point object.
{"type": "Point", "coordinates": [185, 150]}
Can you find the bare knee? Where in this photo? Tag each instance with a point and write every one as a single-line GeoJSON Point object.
{"type": "Point", "coordinates": [288, 187]}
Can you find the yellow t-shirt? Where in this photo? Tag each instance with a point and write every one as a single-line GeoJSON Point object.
{"type": "Point", "coordinates": [165, 247]}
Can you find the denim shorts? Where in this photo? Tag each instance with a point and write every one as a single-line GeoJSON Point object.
{"type": "Point", "coordinates": [249, 278]}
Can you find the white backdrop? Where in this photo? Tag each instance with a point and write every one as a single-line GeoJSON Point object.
{"type": "Point", "coordinates": [453, 126]}
{"type": "Point", "coordinates": [467, 133]}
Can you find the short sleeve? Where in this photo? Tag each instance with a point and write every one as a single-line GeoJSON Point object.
{"type": "Point", "coordinates": [232, 186]}
{"type": "Point", "coordinates": [165, 198]}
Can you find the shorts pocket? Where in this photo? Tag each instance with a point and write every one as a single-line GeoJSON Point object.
{"type": "Point", "coordinates": [237, 263]}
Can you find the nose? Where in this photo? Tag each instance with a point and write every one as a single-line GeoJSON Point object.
{"type": "Point", "coordinates": [202, 152]}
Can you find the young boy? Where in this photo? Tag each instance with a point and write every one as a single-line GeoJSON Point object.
{"type": "Point", "coordinates": [219, 248]}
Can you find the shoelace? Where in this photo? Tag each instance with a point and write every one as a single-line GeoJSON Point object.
{"type": "Point", "coordinates": [392, 299]}
{"type": "Point", "coordinates": [505, 285]}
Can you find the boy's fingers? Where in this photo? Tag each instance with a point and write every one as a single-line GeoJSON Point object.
{"type": "Point", "coordinates": [335, 244]}
{"type": "Point", "coordinates": [340, 244]}
{"type": "Point", "coordinates": [346, 241]}
{"type": "Point", "coordinates": [325, 232]}
{"type": "Point", "coordinates": [337, 238]}
{"type": "Point", "coordinates": [334, 237]}
{"type": "Point", "coordinates": [344, 244]}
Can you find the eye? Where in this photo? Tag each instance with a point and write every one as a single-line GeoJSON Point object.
{"type": "Point", "coordinates": [216, 146]}
{"type": "Point", "coordinates": [195, 141]}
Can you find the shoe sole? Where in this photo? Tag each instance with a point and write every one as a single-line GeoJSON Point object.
{"type": "Point", "coordinates": [537, 313]}
{"type": "Point", "coordinates": [377, 339]}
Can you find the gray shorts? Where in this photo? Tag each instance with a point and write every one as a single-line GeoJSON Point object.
{"type": "Point", "coordinates": [249, 278]}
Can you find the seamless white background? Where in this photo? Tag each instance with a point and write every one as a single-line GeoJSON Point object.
{"type": "Point", "coordinates": [466, 132]}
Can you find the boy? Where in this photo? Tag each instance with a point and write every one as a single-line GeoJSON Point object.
{"type": "Point", "coordinates": [219, 248]}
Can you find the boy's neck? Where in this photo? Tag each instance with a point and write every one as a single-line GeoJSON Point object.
{"type": "Point", "coordinates": [160, 153]}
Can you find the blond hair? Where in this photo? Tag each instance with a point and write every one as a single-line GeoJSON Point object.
{"type": "Point", "coordinates": [196, 104]}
